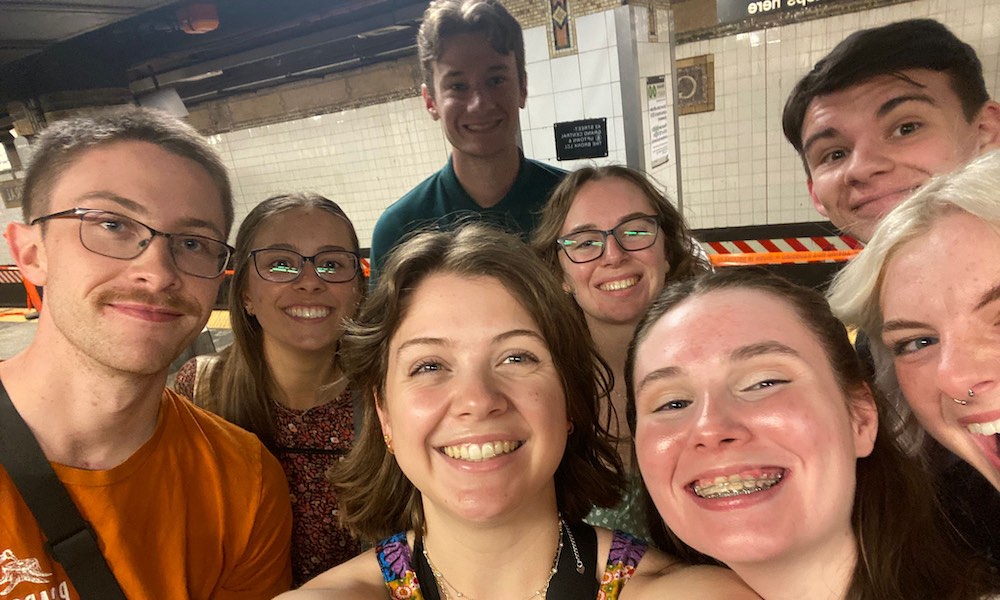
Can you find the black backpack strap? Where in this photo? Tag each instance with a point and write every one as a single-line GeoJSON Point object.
{"type": "Point", "coordinates": [70, 539]}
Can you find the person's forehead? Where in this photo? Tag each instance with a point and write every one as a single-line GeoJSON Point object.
{"type": "Point", "coordinates": [306, 225]}
{"type": "Point", "coordinates": [870, 94]}
{"type": "Point", "coordinates": [722, 320]}
{"type": "Point", "coordinates": [468, 49]}
{"type": "Point", "coordinates": [144, 179]}
{"type": "Point", "coordinates": [605, 201]}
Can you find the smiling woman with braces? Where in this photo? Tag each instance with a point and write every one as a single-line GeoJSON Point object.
{"type": "Point", "coordinates": [765, 449]}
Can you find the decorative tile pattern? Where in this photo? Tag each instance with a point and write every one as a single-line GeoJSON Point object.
{"type": "Point", "coordinates": [562, 34]}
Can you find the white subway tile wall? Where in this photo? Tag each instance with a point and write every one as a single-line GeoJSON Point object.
{"type": "Point", "coordinates": [736, 167]}
{"type": "Point", "coordinates": [363, 158]}
{"type": "Point", "coordinates": [583, 86]}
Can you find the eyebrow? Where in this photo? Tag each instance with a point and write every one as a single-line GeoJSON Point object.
{"type": "Point", "coordinates": [658, 374]}
{"type": "Point", "coordinates": [457, 73]}
{"type": "Point", "coordinates": [991, 295]}
{"type": "Point", "coordinates": [898, 324]}
{"type": "Point", "coordinates": [320, 250]}
{"type": "Point", "coordinates": [739, 354]}
{"type": "Point", "coordinates": [827, 133]}
{"type": "Point", "coordinates": [119, 200]}
{"type": "Point", "coordinates": [593, 226]}
{"type": "Point", "coordinates": [438, 341]}
{"type": "Point", "coordinates": [132, 205]}
{"type": "Point", "coordinates": [761, 348]}
{"type": "Point", "coordinates": [892, 103]}
{"type": "Point", "coordinates": [887, 107]}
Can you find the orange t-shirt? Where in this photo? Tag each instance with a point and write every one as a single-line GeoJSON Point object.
{"type": "Point", "coordinates": [200, 511]}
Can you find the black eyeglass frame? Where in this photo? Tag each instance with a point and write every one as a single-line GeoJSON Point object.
{"type": "Point", "coordinates": [81, 213]}
{"type": "Point", "coordinates": [252, 255]}
{"type": "Point", "coordinates": [560, 241]}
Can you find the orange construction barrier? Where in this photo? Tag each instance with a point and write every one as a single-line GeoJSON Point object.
{"type": "Point", "coordinates": [11, 274]}
{"type": "Point", "coordinates": [781, 258]}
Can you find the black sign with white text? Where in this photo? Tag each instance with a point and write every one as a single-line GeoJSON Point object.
{"type": "Point", "coordinates": [582, 139]}
{"type": "Point", "coordinates": [734, 11]}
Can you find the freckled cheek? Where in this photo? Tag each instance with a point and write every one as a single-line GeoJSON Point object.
{"type": "Point", "coordinates": [918, 387]}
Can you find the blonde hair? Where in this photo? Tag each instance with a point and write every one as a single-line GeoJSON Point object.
{"type": "Point", "coordinates": [856, 290]}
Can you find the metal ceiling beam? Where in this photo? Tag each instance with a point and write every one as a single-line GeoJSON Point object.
{"type": "Point", "coordinates": [317, 40]}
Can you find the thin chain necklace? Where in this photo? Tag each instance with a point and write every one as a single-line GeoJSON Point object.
{"type": "Point", "coordinates": [443, 584]}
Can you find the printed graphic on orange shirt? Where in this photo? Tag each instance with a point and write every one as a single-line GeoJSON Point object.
{"type": "Point", "coordinates": [16, 571]}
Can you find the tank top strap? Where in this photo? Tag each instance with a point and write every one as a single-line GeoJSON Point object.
{"type": "Point", "coordinates": [396, 563]}
{"type": "Point", "coordinates": [626, 553]}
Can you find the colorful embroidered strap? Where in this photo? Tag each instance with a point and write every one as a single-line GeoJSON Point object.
{"type": "Point", "coordinates": [626, 552]}
{"type": "Point", "coordinates": [397, 568]}
{"type": "Point", "coordinates": [396, 562]}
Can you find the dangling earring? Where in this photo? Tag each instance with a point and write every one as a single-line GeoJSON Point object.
{"type": "Point", "coordinates": [388, 443]}
{"type": "Point", "coordinates": [248, 308]}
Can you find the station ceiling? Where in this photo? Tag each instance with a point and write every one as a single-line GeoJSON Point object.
{"type": "Point", "coordinates": [48, 48]}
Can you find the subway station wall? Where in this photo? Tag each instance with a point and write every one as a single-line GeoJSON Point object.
{"type": "Point", "coordinates": [366, 158]}
{"type": "Point", "coordinates": [735, 166]}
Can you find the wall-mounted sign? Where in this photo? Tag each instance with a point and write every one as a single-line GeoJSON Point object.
{"type": "Point", "coordinates": [659, 120]}
{"type": "Point", "coordinates": [696, 84]}
{"type": "Point", "coordinates": [734, 11]}
{"type": "Point", "coordinates": [581, 139]}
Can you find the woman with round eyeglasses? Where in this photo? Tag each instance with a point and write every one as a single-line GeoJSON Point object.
{"type": "Point", "coordinates": [615, 240]}
{"type": "Point", "coordinates": [297, 277]}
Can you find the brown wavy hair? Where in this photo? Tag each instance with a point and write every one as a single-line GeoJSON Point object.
{"type": "Point", "coordinates": [376, 497]}
{"type": "Point", "coordinates": [682, 250]}
{"type": "Point", "coordinates": [904, 544]}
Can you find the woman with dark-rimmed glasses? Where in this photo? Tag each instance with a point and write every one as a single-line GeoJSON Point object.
{"type": "Point", "coordinates": [615, 240]}
{"type": "Point", "coordinates": [297, 277]}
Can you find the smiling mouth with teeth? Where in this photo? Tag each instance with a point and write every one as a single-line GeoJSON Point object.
{"type": "Point", "coordinates": [481, 452]}
{"type": "Point", "coordinates": [308, 312]}
{"type": "Point", "coordinates": [738, 484]}
{"type": "Point", "coordinates": [621, 284]}
{"type": "Point", "coordinates": [987, 436]}
{"type": "Point", "coordinates": [989, 428]}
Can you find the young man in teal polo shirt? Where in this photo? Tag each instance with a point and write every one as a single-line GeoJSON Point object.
{"type": "Point", "coordinates": [472, 57]}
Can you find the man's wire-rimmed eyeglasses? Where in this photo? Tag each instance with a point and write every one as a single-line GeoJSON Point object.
{"type": "Point", "coordinates": [633, 234]}
{"type": "Point", "coordinates": [117, 236]}
{"type": "Point", "coordinates": [282, 266]}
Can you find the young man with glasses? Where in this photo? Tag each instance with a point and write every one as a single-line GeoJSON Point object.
{"type": "Point", "coordinates": [182, 504]}
{"type": "Point", "coordinates": [472, 58]}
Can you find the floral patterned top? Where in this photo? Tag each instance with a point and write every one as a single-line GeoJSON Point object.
{"type": "Point", "coordinates": [396, 562]}
{"type": "Point", "coordinates": [310, 441]}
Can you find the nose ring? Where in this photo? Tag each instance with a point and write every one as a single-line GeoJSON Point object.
{"type": "Point", "coordinates": [962, 402]}
{"type": "Point", "coordinates": [971, 393]}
